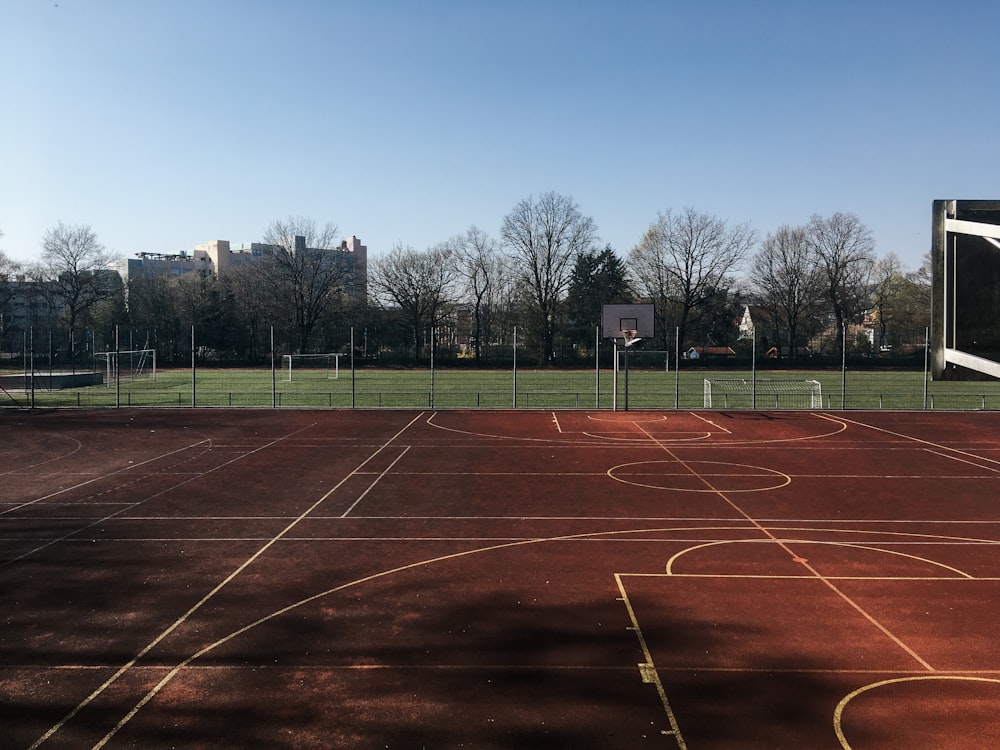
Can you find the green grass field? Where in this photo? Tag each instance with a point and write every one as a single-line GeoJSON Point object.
{"type": "Point", "coordinates": [534, 388]}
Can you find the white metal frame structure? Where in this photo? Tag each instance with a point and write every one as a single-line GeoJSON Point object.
{"type": "Point", "coordinates": [954, 223]}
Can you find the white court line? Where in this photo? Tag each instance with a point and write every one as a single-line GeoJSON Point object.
{"type": "Point", "coordinates": [800, 560]}
{"type": "Point", "coordinates": [198, 605]}
{"type": "Point", "coordinates": [966, 461]}
{"type": "Point", "coordinates": [19, 469]}
{"type": "Point", "coordinates": [124, 469]}
{"type": "Point", "coordinates": [375, 481]}
{"type": "Point", "coordinates": [709, 421]}
{"type": "Point", "coordinates": [922, 441]}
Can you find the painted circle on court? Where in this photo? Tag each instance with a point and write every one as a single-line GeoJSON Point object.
{"type": "Point", "coordinates": [699, 476]}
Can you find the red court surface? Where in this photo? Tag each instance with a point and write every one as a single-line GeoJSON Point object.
{"type": "Point", "coordinates": [455, 579]}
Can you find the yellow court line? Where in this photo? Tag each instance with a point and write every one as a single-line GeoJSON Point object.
{"type": "Point", "coordinates": [648, 669]}
{"type": "Point", "coordinates": [420, 564]}
{"type": "Point", "coordinates": [631, 439]}
{"type": "Point", "coordinates": [850, 545]}
{"type": "Point", "coordinates": [156, 689]}
{"type": "Point", "coordinates": [275, 539]}
{"type": "Point", "coordinates": [839, 711]}
{"type": "Point", "coordinates": [805, 563]}
{"type": "Point", "coordinates": [638, 440]}
{"type": "Point", "coordinates": [761, 472]}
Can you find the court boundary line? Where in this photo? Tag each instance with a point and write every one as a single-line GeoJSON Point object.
{"type": "Point", "coordinates": [121, 671]}
{"type": "Point", "coordinates": [888, 445]}
{"type": "Point", "coordinates": [923, 441]}
{"type": "Point", "coordinates": [799, 559]}
{"type": "Point", "coordinates": [77, 449]}
{"type": "Point", "coordinates": [647, 669]}
{"type": "Point", "coordinates": [846, 700]}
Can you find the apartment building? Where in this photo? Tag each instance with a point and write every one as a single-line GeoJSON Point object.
{"type": "Point", "coordinates": [217, 257]}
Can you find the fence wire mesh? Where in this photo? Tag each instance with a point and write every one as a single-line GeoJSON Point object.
{"type": "Point", "coordinates": [124, 376]}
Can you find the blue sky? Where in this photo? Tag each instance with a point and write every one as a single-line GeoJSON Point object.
{"type": "Point", "coordinates": [166, 124]}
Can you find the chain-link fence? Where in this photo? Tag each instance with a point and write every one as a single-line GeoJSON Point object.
{"type": "Point", "coordinates": [133, 375]}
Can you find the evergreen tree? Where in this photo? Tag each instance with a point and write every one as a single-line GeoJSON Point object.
{"type": "Point", "coordinates": [598, 278]}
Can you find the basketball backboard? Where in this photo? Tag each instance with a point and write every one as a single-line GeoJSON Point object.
{"type": "Point", "coordinates": [618, 318]}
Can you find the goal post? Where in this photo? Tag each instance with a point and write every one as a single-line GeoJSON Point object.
{"type": "Point", "coordinates": [780, 394]}
{"type": "Point", "coordinates": [311, 366]}
{"type": "Point", "coordinates": [130, 364]}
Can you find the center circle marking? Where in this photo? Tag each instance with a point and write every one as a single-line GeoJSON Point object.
{"type": "Point", "coordinates": [699, 476]}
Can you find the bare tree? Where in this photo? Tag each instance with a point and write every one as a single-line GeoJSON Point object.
{"type": "Point", "coordinates": [647, 265]}
{"type": "Point", "coordinates": [887, 283]}
{"type": "Point", "coordinates": [8, 270]}
{"type": "Point", "coordinates": [786, 281]}
{"type": "Point", "coordinates": [154, 305]}
{"type": "Point", "coordinates": [420, 284]}
{"type": "Point", "coordinates": [485, 275]}
{"type": "Point", "coordinates": [688, 257]}
{"type": "Point", "coordinates": [242, 285]}
{"type": "Point", "coordinates": [901, 301]}
{"type": "Point", "coordinates": [76, 265]}
{"type": "Point", "coordinates": [844, 252]}
{"type": "Point", "coordinates": [545, 235]}
{"type": "Point", "coordinates": [305, 274]}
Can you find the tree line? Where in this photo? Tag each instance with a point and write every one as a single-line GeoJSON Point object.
{"type": "Point", "coordinates": [813, 288]}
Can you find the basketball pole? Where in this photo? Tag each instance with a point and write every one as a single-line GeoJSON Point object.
{"type": "Point", "coordinates": [626, 376]}
{"type": "Point", "coordinates": [614, 376]}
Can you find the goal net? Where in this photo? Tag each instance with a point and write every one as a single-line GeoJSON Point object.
{"type": "Point", "coordinates": [779, 394]}
{"type": "Point", "coordinates": [311, 366]}
{"type": "Point", "coordinates": [135, 364]}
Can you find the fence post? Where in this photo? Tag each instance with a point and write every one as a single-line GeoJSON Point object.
{"type": "Point", "coordinates": [515, 367]}
{"type": "Point", "coordinates": [597, 367]}
{"type": "Point", "coordinates": [118, 372]}
{"type": "Point", "coordinates": [194, 373]}
{"type": "Point", "coordinates": [927, 337]}
{"type": "Point", "coordinates": [843, 370]}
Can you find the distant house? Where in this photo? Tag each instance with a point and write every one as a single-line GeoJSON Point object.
{"type": "Point", "coordinates": [785, 352]}
{"type": "Point", "coordinates": [754, 318]}
{"type": "Point", "coordinates": [710, 352]}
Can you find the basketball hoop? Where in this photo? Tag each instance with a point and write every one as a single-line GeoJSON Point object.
{"type": "Point", "coordinates": [631, 336]}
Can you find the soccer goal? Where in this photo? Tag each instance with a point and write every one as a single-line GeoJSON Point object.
{"type": "Point", "coordinates": [747, 394]}
{"type": "Point", "coordinates": [135, 364]}
{"type": "Point", "coordinates": [311, 366]}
